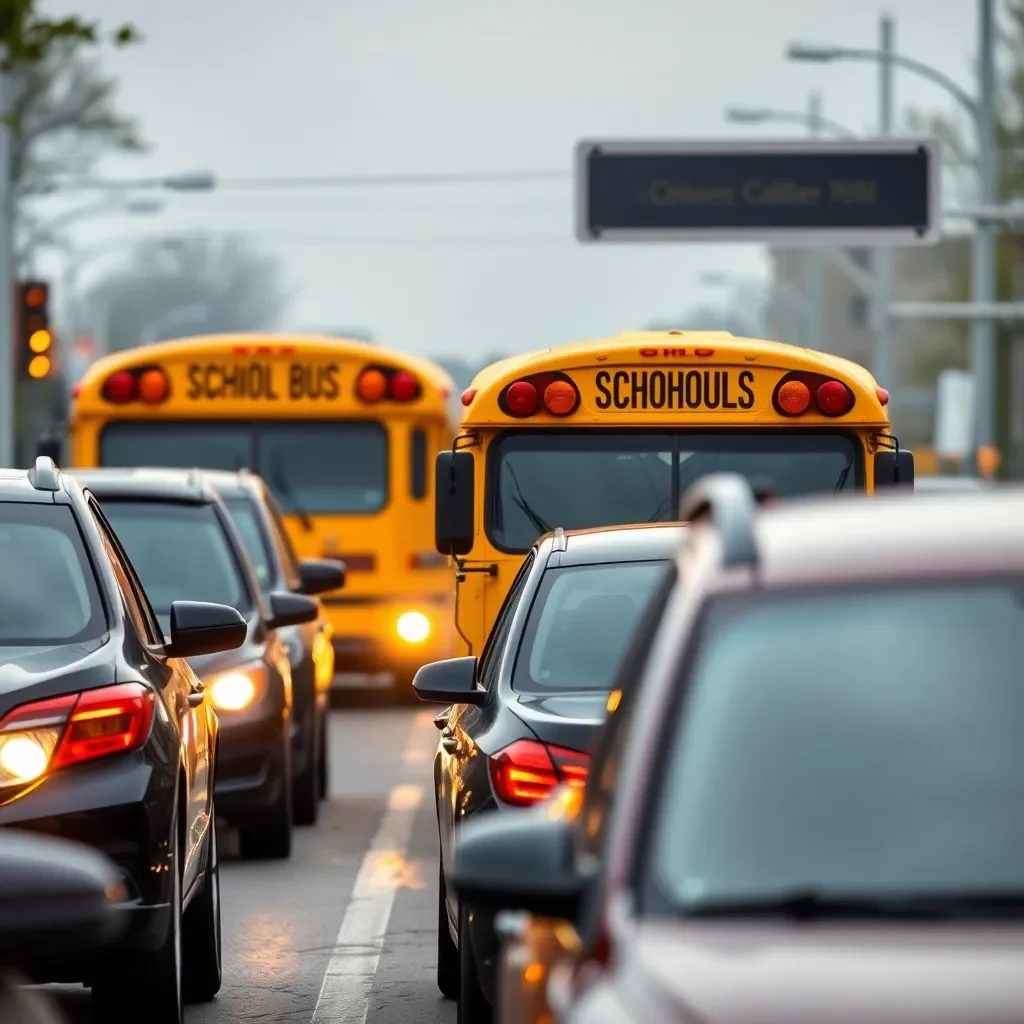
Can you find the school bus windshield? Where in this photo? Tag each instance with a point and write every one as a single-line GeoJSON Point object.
{"type": "Point", "coordinates": [335, 467]}
{"type": "Point", "coordinates": [539, 480]}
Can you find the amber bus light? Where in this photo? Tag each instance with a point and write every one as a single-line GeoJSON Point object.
{"type": "Point", "coordinates": [560, 398]}
{"type": "Point", "coordinates": [372, 386]}
{"type": "Point", "coordinates": [794, 397]}
{"type": "Point", "coordinates": [154, 386]}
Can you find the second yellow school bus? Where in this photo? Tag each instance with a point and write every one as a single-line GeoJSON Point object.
{"type": "Point", "coordinates": [612, 432]}
{"type": "Point", "coordinates": [343, 433]}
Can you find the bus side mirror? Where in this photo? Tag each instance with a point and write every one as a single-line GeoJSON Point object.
{"type": "Point", "coordinates": [453, 502]}
{"type": "Point", "coordinates": [894, 469]}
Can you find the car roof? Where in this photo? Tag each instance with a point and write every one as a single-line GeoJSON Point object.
{"type": "Point", "coordinates": [225, 482]}
{"type": "Point", "coordinates": [839, 540]}
{"type": "Point", "coordinates": [635, 543]}
{"type": "Point", "coordinates": [177, 485]}
{"type": "Point", "coordinates": [18, 485]}
{"type": "Point", "coordinates": [934, 484]}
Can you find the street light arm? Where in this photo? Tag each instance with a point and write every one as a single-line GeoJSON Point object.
{"type": "Point", "coordinates": [907, 63]}
{"type": "Point", "coordinates": [794, 117]}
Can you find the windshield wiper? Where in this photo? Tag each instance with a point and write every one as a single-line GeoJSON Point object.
{"type": "Point", "coordinates": [520, 502]}
{"type": "Point", "coordinates": [279, 481]}
{"type": "Point", "coordinates": [841, 482]}
{"type": "Point", "coordinates": [817, 904]}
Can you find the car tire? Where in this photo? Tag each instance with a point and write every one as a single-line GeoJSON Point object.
{"type": "Point", "coordinates": [271, 839]}
{"type": "Point", "coordinates": [201, 932]}
{"type": "Point", "coordinates": [323, 763]}
{"type": "Point", "coordinates": [447, 951]}
{"type": "Point", "coordinates": [305, 785]}
{"type": "Point", "coordinates": [473, 1006]}
{"type": "Point", "coordinates": [146, 986]}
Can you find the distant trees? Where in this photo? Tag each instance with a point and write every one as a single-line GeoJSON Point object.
{"type": "Point", "coordinates": [184, 285]}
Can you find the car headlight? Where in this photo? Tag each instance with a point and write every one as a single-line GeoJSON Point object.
{"type": "Point", "coordinates": [237, 689]}
{"type": "Point", "coordinates": [413, 627]}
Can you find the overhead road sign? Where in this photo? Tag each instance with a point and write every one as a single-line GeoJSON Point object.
{"type": "Point", "coordinates": [803, 192]}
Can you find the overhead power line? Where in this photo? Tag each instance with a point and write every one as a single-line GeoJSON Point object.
{"type": "Point", "coordinates": [374, 180]}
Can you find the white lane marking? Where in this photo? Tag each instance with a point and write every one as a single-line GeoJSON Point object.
{"type": "Point", "coordinates": [348, 982]}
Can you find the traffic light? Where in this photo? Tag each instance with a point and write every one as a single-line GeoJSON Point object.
{"type": "Point", "coordinates": [35, 339]}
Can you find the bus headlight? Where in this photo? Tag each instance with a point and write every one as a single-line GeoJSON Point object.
{"type": "Point", "coordinates": [236, 690]}
{"type": "Point", "coordinates": [413, 627]}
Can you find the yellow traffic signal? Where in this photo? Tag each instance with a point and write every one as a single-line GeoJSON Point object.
{"type": "Point", "coordinates": [39, 367]}
{"type": "Point", "coordinates": [39, 341]}
{"type": "Point", "coordinates": [35, 338]}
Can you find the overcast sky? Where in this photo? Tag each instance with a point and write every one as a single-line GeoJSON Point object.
{"type": "Point", "coordinates": [305, 88]}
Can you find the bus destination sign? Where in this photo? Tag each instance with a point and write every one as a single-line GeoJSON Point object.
{"type": "Point", "coordinates": [882, 192]}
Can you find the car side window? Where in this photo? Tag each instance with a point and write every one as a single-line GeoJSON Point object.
{"type": "Point", "coordinates": [490, 657]}
{"type": "Point", "coordinates": [285, 551]}
{"type": "Point", "coordinates": [135, 600]}
{"type": "Point", "coordinates": [607, 757]}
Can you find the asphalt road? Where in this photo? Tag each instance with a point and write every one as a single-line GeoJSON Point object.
{"type": "Point", "coordinates": [345, 930]}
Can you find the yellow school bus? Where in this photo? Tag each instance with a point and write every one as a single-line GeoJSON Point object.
{"type": "Point", "coordinates": [342, 432]}
{"type": "Point", "coordinates": [613, 432]}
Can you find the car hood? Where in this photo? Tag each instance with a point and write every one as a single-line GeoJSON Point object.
{"type": "Point", "coordinates": [747, 974]}
{"type": "Point", "coordinates": [34, 673]}
{"type": "Point", "coordinates": [566, 719]}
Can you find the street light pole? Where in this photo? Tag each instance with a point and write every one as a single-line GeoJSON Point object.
{"type": "Point", "coordinates": [7, 362]}
{"type": "Point", "coordinates": [983, 283]}
{"type": "Point", "coordinates": [884, 372]}
{"type": "Point", "coordinates": [814, 270]}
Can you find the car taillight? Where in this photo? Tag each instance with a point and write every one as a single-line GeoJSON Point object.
{"type": "Point", "coordinates": [149, 384]}
{"type": "Point", "coordinates": [526, 772]}
{"type": "Point", "coordinates": [554, 393]}
{"type": "Point", "coordinates": [800, 392]}
{"type": "Point", "coordinates": [376, 383]}
{"type": "Point", "coordinates": [56, 733]}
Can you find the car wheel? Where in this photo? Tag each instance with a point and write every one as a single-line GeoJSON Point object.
{"type": "Point", "coordinates": [323, 764]}
{"type": "Point", "coordinates": [473, 1006]}
{"type": "Point", "coordinates": [305, 797]}
{"type": "Point", "coordinates": [271, 839]}
{"type": "Point", "coordinates": [447, 951]}
{"type": "Point", "coordinates": [146, 986]}
{"type": "Point", "coordinates": [201, 932]}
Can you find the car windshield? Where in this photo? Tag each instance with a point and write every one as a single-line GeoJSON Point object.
{"type": "Point", "coordinates": [580, 624]}
{"type": "Point", "coordinates": [48, 591]}
{"type": "Point", "coordinates": [181, 553]}
{"type": "Point", "coordinates": [578, 480]}
{"type": "Point", "coordinates": [246, 519]}
{"type": "Point", "coordinates": [854, 744]}
{"type": "Point", "coordinates": [312, 468]}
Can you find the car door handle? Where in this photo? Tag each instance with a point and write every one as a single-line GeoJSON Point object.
{"type": "Point", "coordinates": [441, 719]}
{"type": "Point", "coordinates": [450, 744]}
{"type": "Point", "coordinates": [195, 698]}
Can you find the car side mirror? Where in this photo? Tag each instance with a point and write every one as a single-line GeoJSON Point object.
{"type": "Point", "coordinates": [288, 609]}
{"type": "Point", "coordinates": [320, 575]}
{"type": "Point", "coordinates": [894, 468]}
{"type": "Point", "coordinates": [454, 502]}
{"type": "Point", "coordinates": [452, 681]}
{"type": "Point", "coordinates": [56, 898]}
{"type": "Point", "coordinates": [519, 860]}
{"type": "Point", "coordinates": [198, 627]}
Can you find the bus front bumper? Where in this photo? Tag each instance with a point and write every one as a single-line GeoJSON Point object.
{"type": "Point", "coordinates": [389, 637]}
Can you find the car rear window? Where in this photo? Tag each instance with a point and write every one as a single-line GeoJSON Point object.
{"type": "Point", "coordinates": [580, 623]}
{"type": "Point", "coordinates": [865, 744]}
{"type": "Point", "coordinates": [180, 552]}
{"type": "Point", "coordinates": [48, 590]}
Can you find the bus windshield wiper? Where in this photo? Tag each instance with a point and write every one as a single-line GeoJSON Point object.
{"type": "Point", "coordinates": [841, 482]}
{"type": "Point", "coordinates": [280, 482]}
{"type": "Point", "coordinates": [821, 904]}
{"type": "Point", "coordinates": [520, 502]}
